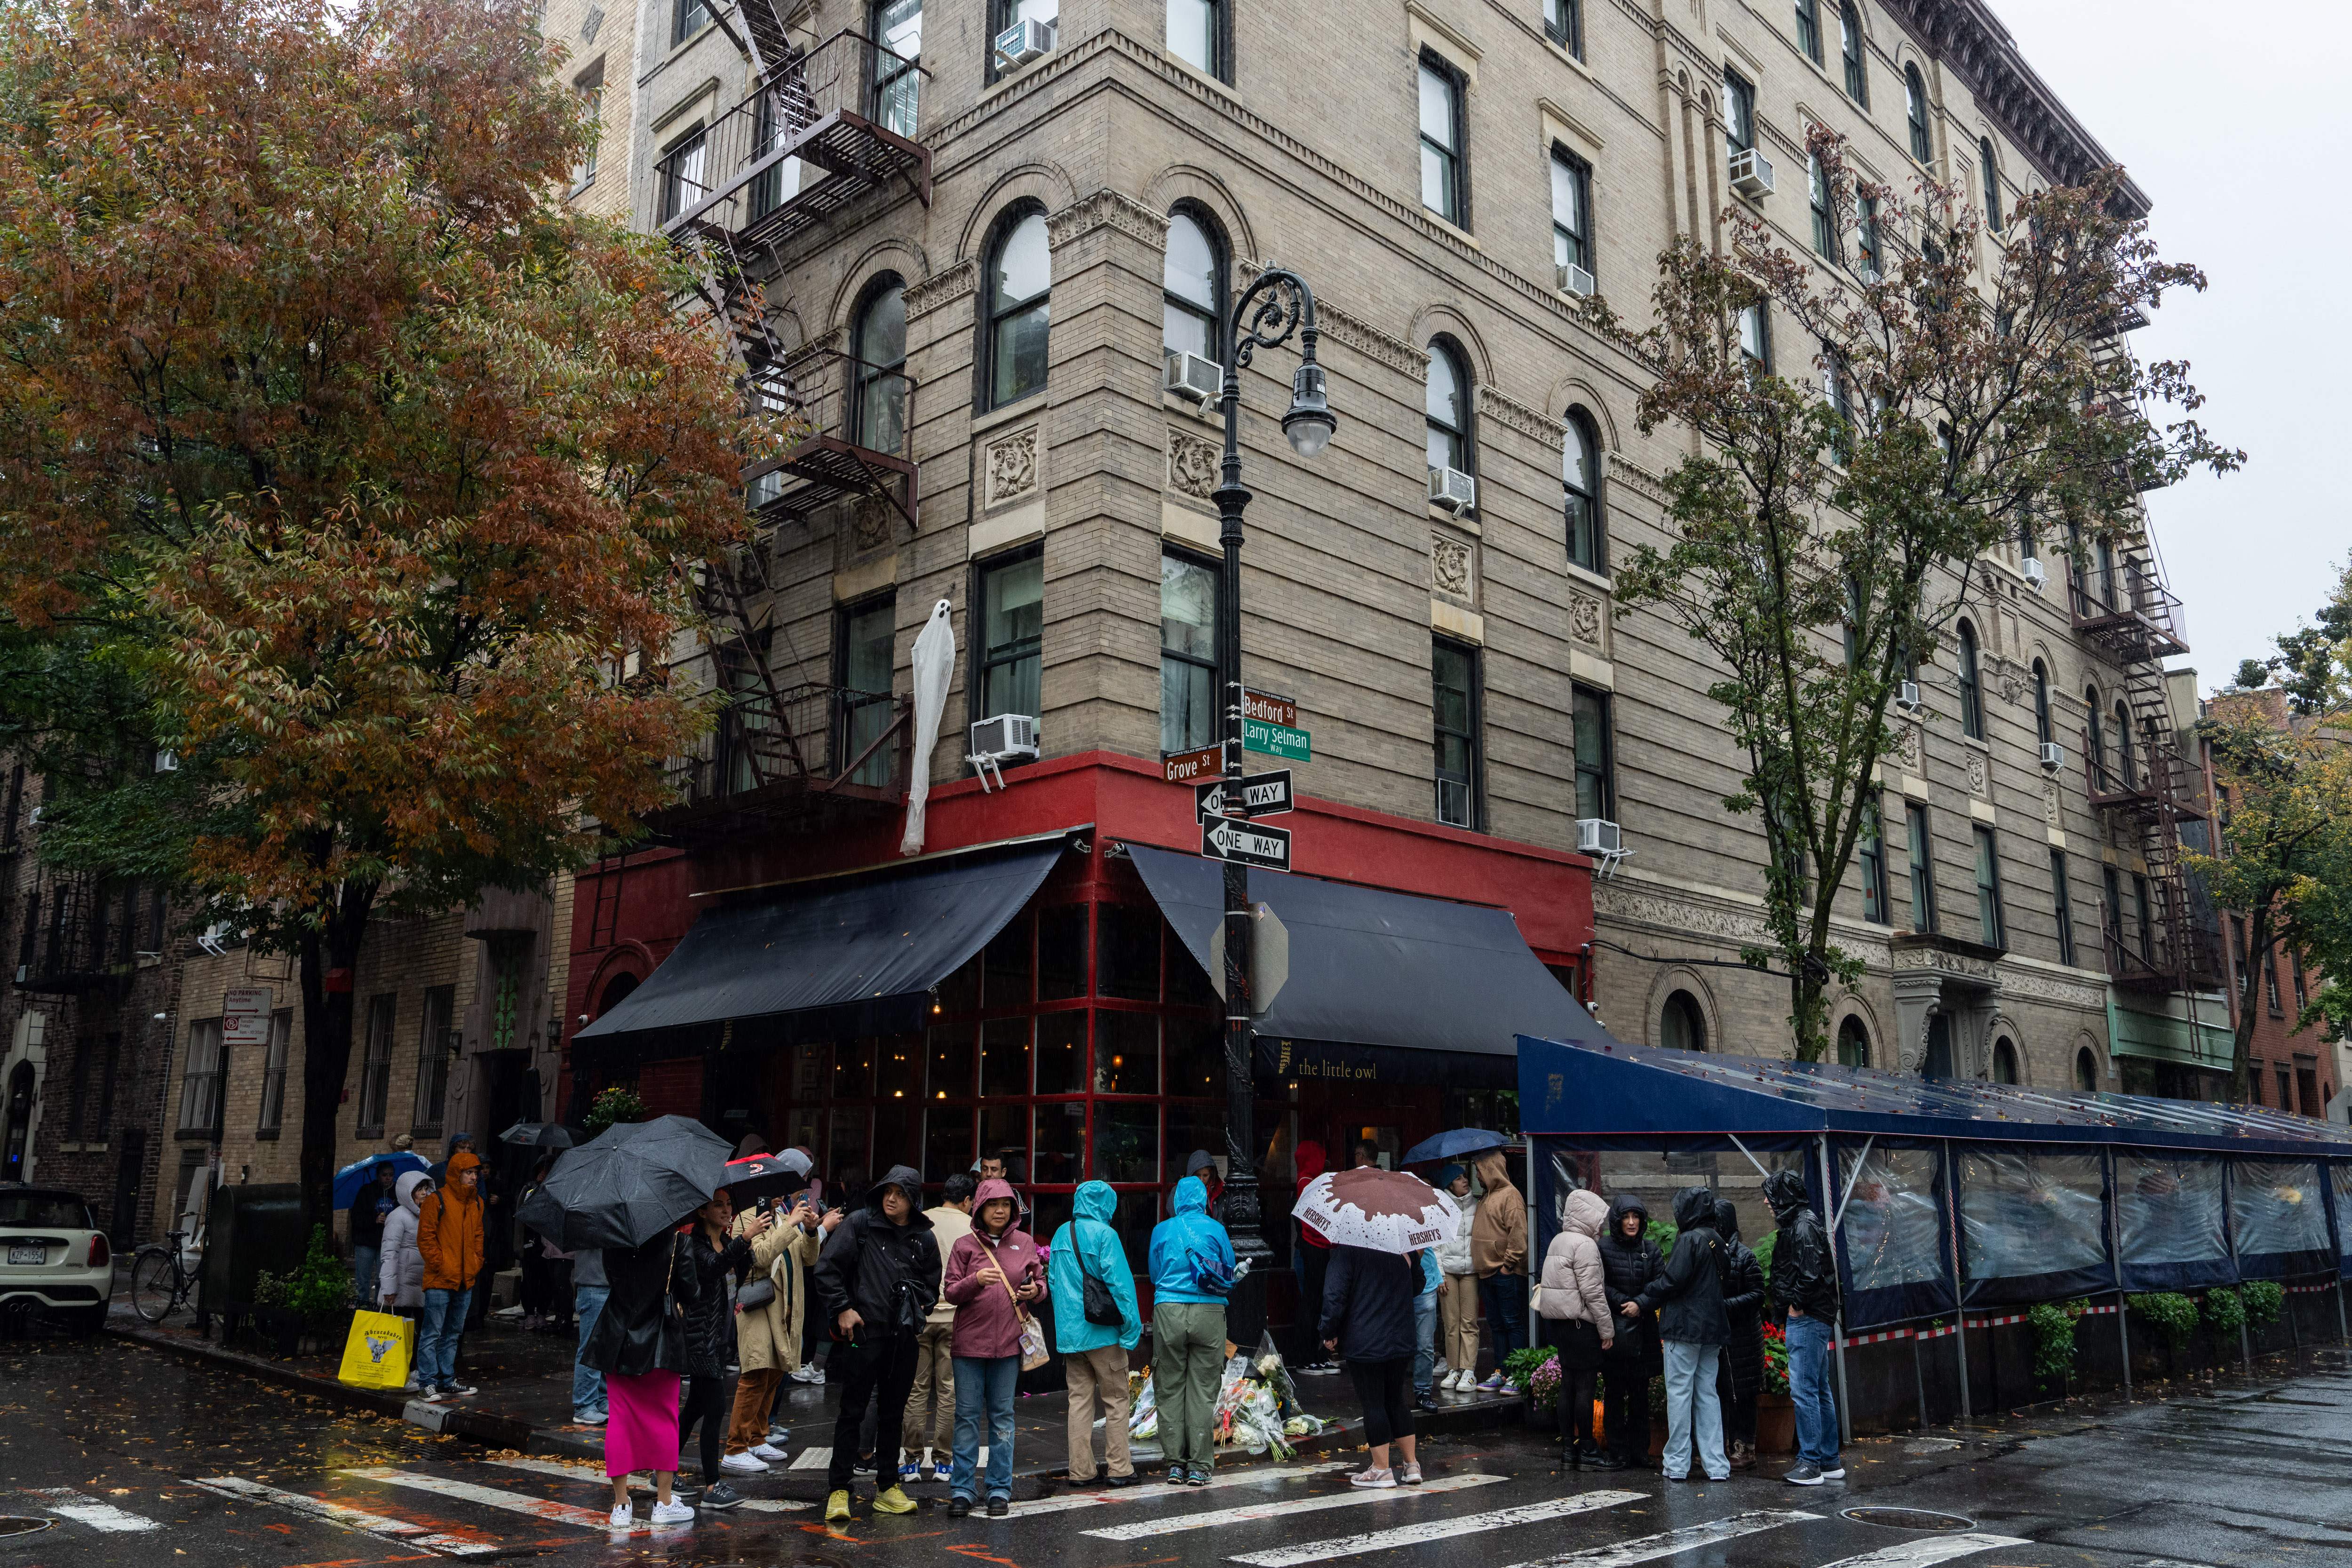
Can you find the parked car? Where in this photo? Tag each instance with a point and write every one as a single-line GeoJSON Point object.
{"type": "Point", "coordinates": [54, 1260]}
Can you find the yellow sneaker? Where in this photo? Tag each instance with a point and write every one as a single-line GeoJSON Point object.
{"type": "Point", "coordinates": [836, 1507]}
{"type": "Point", "coordinates": [893, 1499]}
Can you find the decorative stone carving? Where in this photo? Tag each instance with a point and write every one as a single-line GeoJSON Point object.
{"type": "Point", "coordinates": [1911, 750]}
{"type": "Point", "coordinates": [1980, 780]}
{"type": "Point", "coordinates": [1584, 619]}
{"type": "Point", "coordinates": [1191, 463]}
{"type": "Point", "coordinates": [1339, 326]}
{"type": "Point", "coordinates": [1512, 415]}
{"type": "Point", "coordinates": [1009, 468]}
{"type": "Point", "coordinates": [1614, 900]}
{"type": "Point", "coordinates": [1450, 566]}
{"type": "Point", "coordinates": [2049, 988]}
{"type": "Point", "coordinates": [2050, 800]}
{"type": "Point", "coordinates": [1623, 471]}
{"type": "Point", "coordinates": [942, 288]}
{"type": "Point", "coordinates": [869, 525]}
{"type": "Point", "coordinates": [1106, 208]}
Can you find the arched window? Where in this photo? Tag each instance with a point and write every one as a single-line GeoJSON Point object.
{"type": "Point", "coordinates": [2095, 737]}
{"type": "Point", "coordinates": [1992, 183]}
{"type": "Point", "coordinates": [1449, 409]}
{"type": "Point", "coordinates": [878, 409]}
{"type": "Point", "coordinates": [1914, 111]}
{"type": "Point", "coordinates": [1192, 290]}
{"type": "Point", "coordinates": [617, 991]}
{"type": "Point", "coordinates": [1857, 77]}
{"type": "Point", "coordinates": [2126, 765]}
{"type": "Point", "coordinates": [1682, 1027]}
{"type": "Point", "coordinates": [2041, 704]}
{"type": "Point", "coordinates": [1972, 686]}
{"type": "Point", "coordinates": [1020, 276]}
{"type": "Point", "coordinates": [1579, 474]}
{"type": "Point", "coordinates": [2086, 1070]}
{"type": "Point", "coordinates": [2004, 1062]}
{"type": "Point", "coordinates": [1854, 1043]}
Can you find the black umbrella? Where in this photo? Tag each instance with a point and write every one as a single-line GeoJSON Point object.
{"type": "Point", "coordinates": [628, 1184]}
{"type": "Point", "coordinates": [766, 1176]}
{"type": "Point", "coordinates": [538, 1135]}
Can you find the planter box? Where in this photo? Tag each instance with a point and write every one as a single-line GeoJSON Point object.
{"type": "Point", "coordinates": [1775, 1423]}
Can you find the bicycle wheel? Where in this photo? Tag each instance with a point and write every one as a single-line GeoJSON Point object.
{"type": "Point", "coordinates": [155, 1284]}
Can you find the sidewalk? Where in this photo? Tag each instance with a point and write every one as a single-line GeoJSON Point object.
{"type": "Point", "coordinates": [524, 1401]}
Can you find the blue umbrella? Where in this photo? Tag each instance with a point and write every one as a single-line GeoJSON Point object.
{"type": "Point", "coordinates": [360, 1172]}
{"type": "Point", "coordinates": [1454, 1145]}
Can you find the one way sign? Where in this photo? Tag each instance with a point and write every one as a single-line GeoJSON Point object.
{"type": "Point", "coordinates": [1267, 848]}
{"type": "Point", "coordinates": [1263, 795]}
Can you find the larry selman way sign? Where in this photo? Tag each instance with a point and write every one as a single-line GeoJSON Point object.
{"type": "Point", "coordinates": [1247, 843]}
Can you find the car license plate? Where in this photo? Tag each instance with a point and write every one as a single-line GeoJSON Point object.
{"type": "Point", "coordinates": [28, 1252]}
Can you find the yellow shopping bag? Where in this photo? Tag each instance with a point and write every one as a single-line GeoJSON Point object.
{"type": "Point", "coordinates": [379, 1350]}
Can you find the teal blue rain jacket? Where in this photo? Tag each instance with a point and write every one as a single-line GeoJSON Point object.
{"type": "Point", "coordinates": [1182, 1242]}
{"type": "Point", "coordinates": [1088, 1236]}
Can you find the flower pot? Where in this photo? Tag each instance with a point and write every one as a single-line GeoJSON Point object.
{"type": "Point", "coordinates": [1775, 1423]}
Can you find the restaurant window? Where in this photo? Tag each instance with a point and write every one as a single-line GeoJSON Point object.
{"type": "Point", "coordinates": [1188, 653]}
{"type": "Point", "coordinates": [1596, 788]}
{"type": "Point", "coordinates": [1990, 928]}
{"type": "Point", "coordinates": [2062, 906]}
{"type": "Point", "coordinates": [375, 1065]}
{"type": "Point", "coordinates": [1011, 634]}
{"type": "Point", "coordinates": [1922, 869]}
{"type": "Point", "coordinates": [436, 1044]}
{"type": "Point", "coordinates": [863, 660]}
{"type": "Point", "coordinates": [1454, 705]}
{"type": "Point", "coordinates": [1019, 281]}
{"type": "Point", "coordinates": [273, 1074]}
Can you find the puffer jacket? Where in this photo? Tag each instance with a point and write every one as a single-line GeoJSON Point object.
{"type": "Point", "coordinates": [1804, 1276]}
{"type": "Point", "coordinates": [888, 1274]}
{"type": "Point", "coordinates": [1454, 1255]}
{"type": "Point", "coordinates": [988, 1318]}
{"type": "Point", "coordinates": [1573, 1278]}
{"type": "Point", "coordinates": [1498, 1235]}
{"type": "Point", "coordinates": [1743, 1304]}
{"type": "Point", "coordinates": [710, 1320]}
{"type": "Point", "coordinates": [449, 1228]}
{"type": "Point", "coordinates": [1088, 1244]}
{"type": "Point", "coordinates": [400, 1268]}
{"type": "Point", "coordinates": [769, 1336]}
{"type": "Point", "coordinates": [1688, 1292]}
{"type": "Point", "coordinates": [1626, 1270]}
{"type": "Point", "coordinates": [1183, 1243]}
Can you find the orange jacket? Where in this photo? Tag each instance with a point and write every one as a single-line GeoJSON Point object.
{"type": "Point", "coordinates": [449, 1229]}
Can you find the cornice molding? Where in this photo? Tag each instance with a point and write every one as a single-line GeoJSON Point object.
{"type": "Point", "coordinates": [1106, 209]}
{"type": "Point", "coordinates": [1512, 415]}
{"type": "Point", "coordinates": [942, 288]}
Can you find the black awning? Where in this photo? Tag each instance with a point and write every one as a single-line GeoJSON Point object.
{"type": "Point", "coordinates": [1376, 977]}
{"type": "Point", "coordinates": [832, 958]}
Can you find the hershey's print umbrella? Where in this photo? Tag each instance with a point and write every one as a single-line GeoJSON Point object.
{"type": "Point", "coordinates": [628, 1184]}
{"type": "Point", "coordinates": [1388, 1210]}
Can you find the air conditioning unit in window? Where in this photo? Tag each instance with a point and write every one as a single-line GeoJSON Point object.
{"type": "Point", "coordinates": [1004, 738]}
{"type": "Point", "coordinates": [1022, 42]}
{"type": "Point", "coordinates": [1190, 376]}
{"type": "Point", "coordinates": [1600, 837]}
{"type": "Point", "coordinates": [1906, 697]}
{"type": "Point", "coordinates": [2053, 755]}
{"type": "Point", "coordinates": [1575, 279]}
{"type": "Point", "coordinates": [2034, 574]}
{"type": "Point", "coordinates": [1451, 488]}
{"type": "Point", "coordinates": [167, 762]}
{"type": "Point", "coordinates": [1751, 175]}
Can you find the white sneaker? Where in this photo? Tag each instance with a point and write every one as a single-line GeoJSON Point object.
{"type": "Point", "coordinates": [1464, 1381]}
{"type": "Point", "coordinates": [769, 1452]}
{"type": "Point", "coordinates": [672, 1514]}
{"type": "Point", "coordinates": [623, 1516]}
{"type": "Point", "coordinates": [742, 1464]}
{"type": "Point", "coordinates": [812, 1375]}
{"type": "Point", "coordinates": [1370, 1478]}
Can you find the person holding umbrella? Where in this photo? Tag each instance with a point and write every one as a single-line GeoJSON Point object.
{"type": "Point", "coordinates": [1458, 1297]}
{"type": "Point", "coordinates": [369, 1207]}
{"type": "Point", "coordinates": [713, 1254]}
{"type": "Point", "coordinates": [773, 1311]}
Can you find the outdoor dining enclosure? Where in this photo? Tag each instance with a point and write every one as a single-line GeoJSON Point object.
{"type": "Point", "coordinates": [2171, 1235]}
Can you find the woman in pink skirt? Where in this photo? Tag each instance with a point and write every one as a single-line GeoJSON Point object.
{"type": "Point", "coordinates": [639, 1344]}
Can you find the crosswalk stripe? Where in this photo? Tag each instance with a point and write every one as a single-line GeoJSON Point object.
{"type": "Point", "coordinates": [1649, 1548]}
{"type": "Point", "coordinates": [488, 1497]}
{"type": "Point", "coordinates": [638, 1483]}
{"type": "Point", "coordinates": [345, 1517]}
{"type": "Point", "coordinates": [1426, 1531]}
{"type": "Point", "coordinates": [1148, 1489]}
{"type": "Point", "coordinates": [67, 1503]}
{"type": "Point", "coordinates": [1252, 1511]}
{"type": "Point", "coordinates": [812, 1458]}
{"type": "Point", "coordinates": [1929, 1550]}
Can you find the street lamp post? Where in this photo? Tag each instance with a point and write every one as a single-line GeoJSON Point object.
{"type": "Point", "coordinates": [1275, 305]}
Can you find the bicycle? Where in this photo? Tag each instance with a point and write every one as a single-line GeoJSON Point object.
{"type": "Point", "coordinates": [161, 1283]}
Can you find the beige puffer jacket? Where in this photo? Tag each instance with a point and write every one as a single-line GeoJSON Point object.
{"type": "Point", "coordinates": [769, 1336]}
{"type": "Point", "coordinates": [1572, 1265]}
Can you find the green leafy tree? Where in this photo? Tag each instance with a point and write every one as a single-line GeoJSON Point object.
{"type": "Point", "coordinates": [1863, 436]}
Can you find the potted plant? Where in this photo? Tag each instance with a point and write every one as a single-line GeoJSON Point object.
{"type": "Point", "coordinates": [1534, 1370]}
{"type": "Point", "coordinates": [313, 1302]}
{"type": "Point", "coordinates": [1776, 1413]}
{"type": "Point", "coordinates": [618, 1103]}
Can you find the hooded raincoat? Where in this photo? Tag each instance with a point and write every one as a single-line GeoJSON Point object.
{"type": "Point", "coordinates": [449, 1228]}
{"type": "Point", "coordinates": [400, 1268]}
{"type": "Point", "coordinates": [1188, 1243]}
{"type": "Point", "coordinates": [1573, 1280]}
{"type": "Point", "coordinates": [1804, 1275]}
{"type": "Point", "coordinates": [988, 1319]}
{"type": "Point", "coordinates": [888, 1274]}
{"type": "Point", "coordinates": [1743, 1303]}
{"type": "Point", "coordinates": [1088, 1244]}
{"type": "Point", "coordinates": [1689, 1291]}
{"type": "Point", "coordinates": [1626, 1268]}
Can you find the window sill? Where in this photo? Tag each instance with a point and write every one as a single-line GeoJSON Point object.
{"type": "Point", "coordinates": [1027, 407]}
{"type": "Point", "coordinates": [266, 1135]}
{"type": "Point", "coordinates": [581, 189]}
{"type": "Point", "coordinates": [196, 1135]}
{"type": "Point", "coordinates": [1467, 521]}
{"type": "Point", "coordinates": [1561, 51]}
{"type": "Point", "coordinates": [1588, 578]}
{"type": "Point", "coordinates": [1015, 76]}
{"type": "Point", "coordinates": [1971, 741]}
{"type": "Point", "coordinates": [1464, 235]}
{"type": "Point", "coordinates": [1207, 415]}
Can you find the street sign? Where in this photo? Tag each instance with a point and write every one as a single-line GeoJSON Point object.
{"type": "Point", "coordinates": [1263, 795]}
{"type": "Point", "coordinates": [1270, 709]}
{"type": "Point", "coordinates": [1285, 741]}
{"type": "Point", "coordinates": [1183, 767]}
{"type": "Point", "coordinates": [1246, 843]}
{"type": "Point", "coordinates": [1269, 957]}
{"type": "Point", "coordinates": [244, 1016]}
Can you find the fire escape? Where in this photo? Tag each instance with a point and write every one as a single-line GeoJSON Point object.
{"type": "Point", "coordinates": [2139, 779]}
{"type": "Point", "coordinates": [822, 126]}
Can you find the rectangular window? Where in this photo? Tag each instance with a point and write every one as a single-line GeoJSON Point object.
{"type": "Point", "coordinates": [591, 91]}
{"type": "Point", "coordinates": [273, 1074]}
{"type": "Point", "coordinates": [1011, 634]}
{"type": "Point", "coordinates": [1453, 669]}
{"type": "Point", "coordinates": [1564, 25]}
{"type": "Point", "coordinates": [862, 660]}
{"type": "Point", "coordinates": [1865, 238]}
{"type": "Point", "coordinates": [2062, 904]}
{"type": "Point", "coordinates": [1872, 848]}
{"type": "Point", "coordinates": [1195, 34]}
{"type": "Point", "coordinates": [2115, 921]}
{"type": "Point", "coordinates": [1596, 788]}
{"type": "Point", "coordinates": [2270, 982]}
{"type": "Point", "coordinates": [2302, 995]}
{"type": "Point", "coordinates": [85, 1064]}
{"type": "Point", "coordinates": [200, 1088]}
{"type": "Point", "coordinates": [375, 1065]}
{"type": "Point", "coordinates": [1571, 215]}
{"type": "Point", "coordinates": [1809, 29]}
{"type": "Point", "coordinates": [2285, 1090]}
{"type": "Point", "coordinates": [436, 1046]}
{"type": "Point", "coordinates": [1756, 338]}
{"type": "Point", "coordinates": [1923, 869]}
{"type": "Point", "coordinates": [1989, 926]}
{"type": "Point", "coordinates": [1443, 184]}
{"type": "Point", "coordinates": [1738, 111]}
{"type": "Point", "coordinates": [682, 182]}
{"type": "Point", "coordinates": [1816, 194]}
{"type": "Point", "coordinates": [688, 18]}
{"type": "Point", "coordinates": [1188, 654]}
{"type": "Point", "coordinates": [2146, 921]}
{"type": "Point", "coordinates": [898, 31]}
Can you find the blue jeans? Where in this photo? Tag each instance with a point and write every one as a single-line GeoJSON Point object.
{"type": "Point", "coordinates": [1809, 1390]}
{"type": "Point", "coordinates": [1690, 1392]}
{"type": "Point", "coordinates": [364, 1261]}
{"type": "Point", "coordinates": [1503, 1298]}
{"type": "Point", "coordinates": [587, 1383]}
{"type": "Point", "coordinates": [983, 1383]}
{"type": "Point", "coordinates": [1425, 1340]}
{"type": "Point", "coordinates": [436, 1341]}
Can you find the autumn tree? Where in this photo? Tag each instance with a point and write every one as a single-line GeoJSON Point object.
{"type": "Point", "coordinates": [1865, 425]}
{"type": "Point", "coordinates": [340, 460]}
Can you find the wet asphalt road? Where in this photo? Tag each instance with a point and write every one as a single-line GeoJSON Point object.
{"type": "Point", "coordinates": [133, 1458]}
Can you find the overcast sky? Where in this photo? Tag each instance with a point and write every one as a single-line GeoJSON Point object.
{"type": "Point", "coordinates": [2236, 126]}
